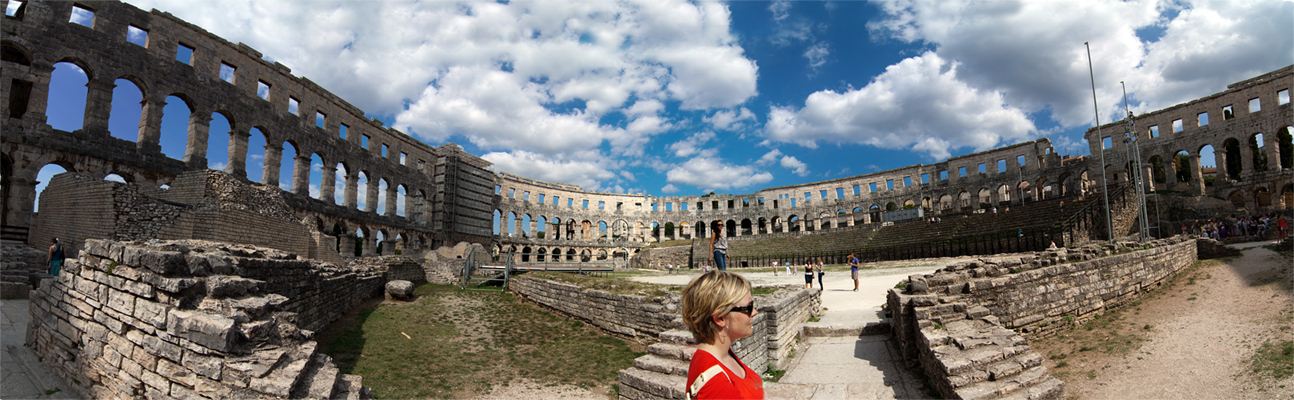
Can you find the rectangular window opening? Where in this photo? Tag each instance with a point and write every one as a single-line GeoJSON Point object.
{"type": "Point", "coordinates": [1228, 113]}
{"type": "Point", "coordinates": [183, 53]}
{"type": "Point", "coordinates": [1106, 142]}
{"type": "Point", "coordinates": [1177, 126]}
{"type": "Point", "coordinates": [823, 193]}
{"type": "Point", "coordinates": [745, 203]}
{"type": "Point", "coordinates": [136, 35]}
{"type": "Point", "coordinates": [497, 189]}
{"type": "Point", "coordinates": [15, 9]}
{"type": "Point", "coordinates": [363, 141]}
{"type": "Point", "coordinates": [683, 206]}
{"type": "Point", "coordinates": [872, 186]}
{"type": "Point", "coordinates": [840, 193]}
{"type": "Point", "coordinates": [227, 72]}
{"type": "Point", "coordinates": [602, 205]}
{"type": "Point", "coordinates": [512, 193]}
{"type": "Point", "coordinates": [343, 129]}
{"type": "Point", "coordinates": [1255, 105]}
{"type": "Point", "coordinates": [586, 204]}
{"type": "Point", "coordinates": [730, 204]}
{"type": "Point", "coordinates": [80, 15]}
{"type": "Point", "coordinates": [654, 207]}
{"type": "Point", "coordinates": [858, 189]}
{"type": "Point", "coordinates": [321, 119]}
{"type": "Point", "coordinates": [760, 201]}
{"type": "Point", "coordinates": [792, 203]}
{"type": "Point", "coordinates": [943, 175]}
{"type": "Point", "coordinates": [925, 178]}
{"type": "Point", "coordinates": [983, 169]}
{"type": "Point", "coordinates": [525, 196]}
{"type": "Point", "coordinates": [294, 106]}
{"type": "Point", "coordinates": [1202, 119]}
{"type": "Point", "coordinates": [383, 152]}
{"type": "Point", "coordinates": [540, 200]}
{"type": "Point", "coordinates": [263, 90]}
{"type": "Point", "coordinates": [889, 184]}
{"type": "Point", "coordinates": [961, 171]}
{"type": "Point", "coordinates": [907, 181]}
{"type": "Point", "coordinates": [1154, 131]}
{"type": "Point", "coordinates": [570, 203]}
{"type": "Point", "coordinates": [1001, 165]}
{"type": "Point", "coordinates": [1282, 96]}
{"type": "Point", "coordinates": [669, 206]}
{"type": "Point", "coordinates": [1019, 160]}
{"type": "Point", "coordinates": [404, 156]}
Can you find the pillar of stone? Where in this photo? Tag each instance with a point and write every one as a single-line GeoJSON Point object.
{"type": "Point", "coordinates": [370, 247]}
{"type": "Point", "coordinates": [38, 101]}
{"type": "Point", "coordinates": [1197, 176]}
{"type": "Point", "coordinates": [98, 107]}
{"type": "Point", "coordinates": [1271, 146]}
{"type": "Point", "coordinates": [370, 195]}
{"type": "Point", "coordinates": [349, 192]}
{"type": "Point", "coordinates": [347, 245]}
{"type": "Point", "coordinates": [411, 209]}
{"type": "Point", "coordinates": [22, 198]}
{"type": "Point", "coordinates": [273, 156]}
{"type": "Point", "coordinates": [1220, 158]}
{"type": "Point", "coordinates": [150, 126]}
{"type": "Point", "coordinates": [390, 201]}
{"type": "Point", "coordinates": [1246, 159]}
{"type": "Point", "coordinates": [195, 148]}
{"type": "Point", "coordinates": [301, 175]}
{"type": "Point", "coordinates": [533, 228]}
{"type": "Point", "coordinates": [238, 152]}
{"type": "Point", "coordinates": [328, 184]}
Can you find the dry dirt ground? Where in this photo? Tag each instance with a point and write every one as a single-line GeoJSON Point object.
{"type": "Point", "coordinates": [1192, 340]}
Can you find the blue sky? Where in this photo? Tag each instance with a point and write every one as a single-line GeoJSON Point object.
{"type": "Point", "coordinates": [667, 97]}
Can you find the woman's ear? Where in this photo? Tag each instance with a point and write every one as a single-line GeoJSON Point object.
{"type": "Point", "coordinates": [719, 321]}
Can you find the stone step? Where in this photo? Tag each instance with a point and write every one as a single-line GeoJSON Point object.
{"type": "Point", "coordinates": [646, 384]}
{"type": "Point", "coordinates": [997, 371]}
{"type": "Point", "coordinates": [288, 373]}
{"type": "Point", "coordinates": [668, 366]}
{"type": "Point", "coordinates": [350, 387]}
{"type": "Point", "coordinates": [677, 336]}
{"type": "Point", "coordinates": [958, 362]}
{"type": "Point", "coordinates": [984, 390]}
{"type": "Point", "coordinates": [319, 380]}
{"type": "Point", "coordinates": [672, 351]}
{"type": "Point", "coordinates": [1049, 389]}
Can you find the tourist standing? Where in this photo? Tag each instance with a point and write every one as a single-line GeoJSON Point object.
{"type": "Point", "coordinates": [853, 270]}
{"type": "Point", "coordinates": [719, 247]}
{"type": "Point", "coordinates": [808, 276]}
{"type": "Point", "coordinates": [718, 308]}
{"type": "Point", "coordinates": [820, 273]}
{"type": "Point", "coordinates": [55, 257]}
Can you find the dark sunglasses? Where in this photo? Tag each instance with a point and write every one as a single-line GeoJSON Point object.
{"type": "Point", "coordinates": [746, 309]}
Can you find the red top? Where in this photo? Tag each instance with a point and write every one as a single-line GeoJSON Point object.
{"type": "Point", "coordinates": [726, 385]}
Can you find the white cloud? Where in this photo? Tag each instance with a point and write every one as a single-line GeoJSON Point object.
{"type": "Point", "coordinates": [692, 145]}
{"type": "Point", "coordinates": [917, 102]}
{"type": "Point", "coordinates": [769, 157]}
{"type": "Point", "coordinates": [780, 9]}
{"type": "Point", "coordinates": [817, 56]}
{"type": "Point", "coordinates": [1033, 53]}
{"type": "Point", "coordinates": [709, 174]}
{"type": "Point", "coordinates": [795, 165]}
{"type": "Point", "coordinates": [587, 171]}
{"type": "Point", "coordinates": [669, 188]}
{"type": "Point", "coordinates": [729, 120]}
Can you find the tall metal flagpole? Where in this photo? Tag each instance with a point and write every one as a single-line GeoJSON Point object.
{"type": "Point", "coordinates": [1105, 188]}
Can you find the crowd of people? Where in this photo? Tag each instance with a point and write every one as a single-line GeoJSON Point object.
{"type": "Point", "coordinates": [1256, 226]}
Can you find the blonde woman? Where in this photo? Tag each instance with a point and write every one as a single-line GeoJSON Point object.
{"type": "Point", "coordinates": [719, 310]}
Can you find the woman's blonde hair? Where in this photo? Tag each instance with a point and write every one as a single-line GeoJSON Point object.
{"type": "Point", "coordinates": [713, 294]}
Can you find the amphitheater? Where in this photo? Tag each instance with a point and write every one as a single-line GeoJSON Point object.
{"type": "Point", "coordinates": [199, 283]}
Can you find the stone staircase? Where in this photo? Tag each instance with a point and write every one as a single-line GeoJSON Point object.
{"type": "Point", "coordinates": [974, 357]}
{"type": "Point", "coordinates": [295, 372]}
{"type": "Point", "coordinates": [662, 373]}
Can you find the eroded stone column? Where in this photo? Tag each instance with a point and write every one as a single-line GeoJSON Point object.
{"type": "Point", "coordinates": [349, 193]}
{"type": "Point", "coordinates": [1246, 160]}
{"type": "Point", "coordinates": [347, 245]}
{"type": "Point", "coordinates": [1197, 176]}
{"type": "Point", "coordinates": [328, 184]}
{"type": "Point", "coordinates": [238, 152]}
{"type": "Point", "coordinates": [301, 175]}
{"type": "Point", "coordinates": [273, 156]}
{"type": "Point", "coordinates": [98, 107]}
{"type": "Point", "coordinates": [370, 246]}
{"type": "Point", "coordinates": [195, 149]}
{"type": "Point", "coordinates": [411, 210]}
{"type": "Point", "coordinates": [370, 195]}
{"type": "Point", "coordinates": [390, 201]}
{"type": "Point", "coordinates": [150, 126]}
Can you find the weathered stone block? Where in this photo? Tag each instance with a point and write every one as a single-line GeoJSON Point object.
{"type": "Point", "coordinates": [400, 289]}
{"type": "Point", "coordinates": [212, 331]}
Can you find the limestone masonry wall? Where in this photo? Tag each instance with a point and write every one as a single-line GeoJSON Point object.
{"type": "Point", "coordinates": [184, 319]}
{"type": "Point", "coordinates": [957, 324]}
{"type": "Point", "coordinates": [625, 314]}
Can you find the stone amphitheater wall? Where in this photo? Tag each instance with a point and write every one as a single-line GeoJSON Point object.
{"type": "Point", "coordinates": [190, 319]}
{"type": "Point", "coordinates": [997, 299]}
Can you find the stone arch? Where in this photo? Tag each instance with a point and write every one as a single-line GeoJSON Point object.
{"type": "Point", "coordinates": [68, 112]}
{"type": "Point", "coordinates": [793, 223]}
{"type": "Point", "coordinates": [586, 255]}
{"type": "Point", "coordinates": [525, 254]}
{"type": "Point", "coordinates": [1158, 174]}
{"type": "Point", "coordinates": [730, 228]}
{"type": "Point", "coordinates": [1004, 194]}
{"type": "Point", "coordinates": [824, 220]}
{"type": "Point", "coordinates": [1237, 198]}
{"type": "Point", "coordinates": [1262, 197]}
{"type": "Point", "coordinates": [761, 226]}
{"type": "Point", "coordinates": [874, 213]}
{"type": "Point", "coordinates": [15, 52]}
{"type": "Point", "coordinates": [1234, 165]}
{"type": "Point", "coordinates": [1286, 197]}
{"type": "Point", "coordinates": [964, 199]}
{"type": "Point", "coordinates": [1285, 147]}
{"type": "Point", "coordinates": [746, 227]}
{"type": "Point", "coordinates": [124, 123]}
{"type": "Point", "coordinates": [945, 202]}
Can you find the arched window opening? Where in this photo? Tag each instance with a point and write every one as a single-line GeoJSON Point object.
{"type": "Point", "coordinates": [175, 127]}
{"type": "Point", "coordinates": [66, 106]}
{"type": "Point", "coordinates": [123, 122]}
{"type": "Point", "coordinates": [255, 155]}
{"type": "Point", "coordinates": [217, 141]}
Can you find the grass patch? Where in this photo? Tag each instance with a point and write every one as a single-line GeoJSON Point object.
{"type": "Point", "coordinates": [1273, 360]}
{"type": "Point", "coordinates": [608, 284]}
{"type": "Point", "coordinates": [756, 291]}
{"type": "Point", "coordinates": [461, 343]}
{"type": "Point", "coordinates": [773, 375]}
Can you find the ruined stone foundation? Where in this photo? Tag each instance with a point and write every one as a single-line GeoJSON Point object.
{"type": "Point", "coordinates": [177, 320]}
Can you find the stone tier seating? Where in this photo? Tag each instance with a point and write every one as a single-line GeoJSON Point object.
{"type": "Point", "coordinates": [662, 373]}
{"type": "Point", "coordinates": [1043, 215]}
{"type": "Point", "coordinates": [176, 320]}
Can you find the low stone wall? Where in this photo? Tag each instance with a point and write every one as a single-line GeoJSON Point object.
{"type": "Point", "coordinates": [20, 270]}
{"type": "Point", "coordinates": [175, 320]}
{"type": "Point", "coordinates": [626, 314]}
{"type": "Point", "coordinates": [786, 313]}
{"type": "Point", "coordinates": [661, 257]}
{"type": "Point", "coordinates": [960, 324]}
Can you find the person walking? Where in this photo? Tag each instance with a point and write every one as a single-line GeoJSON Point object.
{"type": "Point", "coordinates": [853, 270]}
{"type": "Point", "coordinates": [55, 257]}
{"type": "Point", "coordinates": [718, 309]}
{"type": "Point", "coordinates": [719, 247]}
{"type": "Point", "coordinates": [820, 273]}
